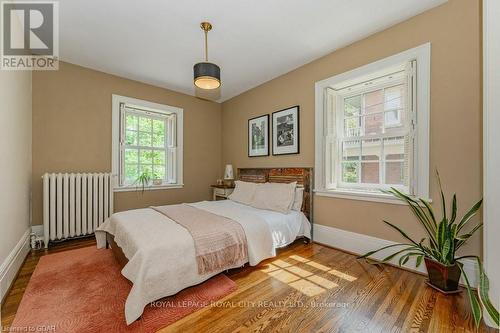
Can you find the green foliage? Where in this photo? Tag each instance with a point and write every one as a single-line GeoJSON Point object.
{"type": "Point", "coordinates": [352, 106]}
{"type": "Point", "coordinates": [350, 173]}
{"type": "Point", "coordinates": [143, 162]}
{"type": "Point", "coordinates": [445, 237]}
{"type": "Point", "coordinates": [143, 179]}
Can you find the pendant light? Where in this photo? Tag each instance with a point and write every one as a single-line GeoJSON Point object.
{"type": "Point", "coordinates": [206, 74]}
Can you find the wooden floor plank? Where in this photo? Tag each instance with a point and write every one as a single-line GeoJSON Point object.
{"type": "Point", "coordinates": [307, 288]}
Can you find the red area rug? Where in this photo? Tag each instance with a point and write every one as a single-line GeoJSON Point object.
{"type": "Point", "coordinates": [83, 291]}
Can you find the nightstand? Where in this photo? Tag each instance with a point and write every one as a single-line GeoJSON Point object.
{"type": "Point", "coordinates": [221, 192]}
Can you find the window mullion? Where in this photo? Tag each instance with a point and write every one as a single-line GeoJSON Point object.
{"type": "Point", "coordinates": [376, 137]}
{"type": "Point", "coordinates": [121, 150]}
{"type": "Point", "coordinates": [339, 134]}
{"type": "Point", "coordinates": [360, 163]}
{"type": "Point", "coordinates": [362, 114]}
{"type": "Point", "coordinates": [361, 130]}
{"type": "Point", "coordinates": [168, 162]}
{"type": "Point", "coordinates": [382, 162]}
{"type": "Point", "coordinates": [383, 114]}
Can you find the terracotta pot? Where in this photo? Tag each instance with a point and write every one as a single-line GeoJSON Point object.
{"type": "Point", "coordinates": [444, 278]}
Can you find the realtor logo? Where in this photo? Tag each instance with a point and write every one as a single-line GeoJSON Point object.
{"type": "Point", "coordinates": [30, 36]}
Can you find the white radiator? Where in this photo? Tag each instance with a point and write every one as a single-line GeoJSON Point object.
{"type": "Point", "coordinates": [75, 204]}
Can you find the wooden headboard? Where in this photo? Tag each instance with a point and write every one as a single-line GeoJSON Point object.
{"type": "Point", "coordinates": [303, 177]}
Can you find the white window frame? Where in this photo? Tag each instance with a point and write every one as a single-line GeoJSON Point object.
{"type": "Point", "coordinates": [491, 153]}
{"type": "Point", "coordinates": [420, 161]}
{"type": "Point", "coordinates": [177, 157]}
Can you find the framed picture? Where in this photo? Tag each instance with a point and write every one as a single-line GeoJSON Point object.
{"type": "Point", "coordinates": [286, 131]}
{"type": "Point", "coordinates": [258, 136]}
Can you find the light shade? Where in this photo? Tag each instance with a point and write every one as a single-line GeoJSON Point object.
{"type": "Point", "coordinates": [228, 173]}
{"type": "Point", "coordinates": [206, 75]}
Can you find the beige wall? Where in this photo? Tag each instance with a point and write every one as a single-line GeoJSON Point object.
{"type": "Point", "coordinates": [72, 133]}
{"type": "Point", "coordinates": [15, 149]}
{"type": "Point", "coordinates": [454, 32]}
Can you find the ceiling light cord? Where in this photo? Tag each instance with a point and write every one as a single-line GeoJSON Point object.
{"type": "Point", "coordinates": [206, 27]}
{"type": "Point", "coordinates": [206, 45]}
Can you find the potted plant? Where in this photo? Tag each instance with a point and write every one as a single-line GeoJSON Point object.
{"type": "Point", "coordinates": [438, 250]}
{"type": "Point", "coordinates": [143, 180]}
{"type": "Point", "coordinates": [157, 180]}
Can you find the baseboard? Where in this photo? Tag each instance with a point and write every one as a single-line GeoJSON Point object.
{"type": "Point", "coordinates": [361, 244]}
{"type": "Point", "coordinates": [13, 262]}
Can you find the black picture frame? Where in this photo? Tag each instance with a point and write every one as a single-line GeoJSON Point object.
{"type": "Point", "coordinates": [295, 149]}
{"type": "Point", "coordinates": [266, 137]}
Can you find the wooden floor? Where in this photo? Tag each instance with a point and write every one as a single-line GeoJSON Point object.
{"type": "Point", "coordinates": [309, 288]}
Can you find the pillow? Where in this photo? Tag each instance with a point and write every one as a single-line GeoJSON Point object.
{"type": "Point", "coordinates": [297, 201]}
{"type": "Point", "coordinates": [243, 192]}
{"type": "Point", "coordinates": [274, 196]}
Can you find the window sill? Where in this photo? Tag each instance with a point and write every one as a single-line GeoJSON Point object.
{"type": "Point", "coordinates": [363, 196]}
{"type": "Point", "coordinates": [148, 188]}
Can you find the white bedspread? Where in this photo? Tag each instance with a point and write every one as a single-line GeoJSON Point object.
{"type": "Point", "coordinates": [161, 252]}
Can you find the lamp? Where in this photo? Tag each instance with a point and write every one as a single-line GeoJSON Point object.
{"type": "Point", "coordinates": [206, 74]}
{"type": "Point", "coordinates": [228, 175]}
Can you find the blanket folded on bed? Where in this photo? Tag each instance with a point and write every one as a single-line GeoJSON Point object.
{"type": "Point", "coordinates": [219, 241]}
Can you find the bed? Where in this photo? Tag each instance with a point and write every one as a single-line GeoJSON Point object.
{"type": "Point", "coordinates": [158, 254]}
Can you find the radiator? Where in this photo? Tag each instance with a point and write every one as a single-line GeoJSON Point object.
{"type": "Point", "coordinates": [75, 204]}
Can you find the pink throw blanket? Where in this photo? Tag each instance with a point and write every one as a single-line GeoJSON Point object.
{"type": "Point", "coordinates": [220, 242]}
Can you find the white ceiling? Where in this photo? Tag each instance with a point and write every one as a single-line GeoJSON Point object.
{"type": "Point", "coordinates": [158, 42]}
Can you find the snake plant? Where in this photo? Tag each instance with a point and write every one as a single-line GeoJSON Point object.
{"type": "Point", "coordinates": [446, 236]}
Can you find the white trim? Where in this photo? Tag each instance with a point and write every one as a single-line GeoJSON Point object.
{"type": "Point", "coordinates": [147, 188]}
{"type": "Point", "coordinates": [13, 262]}
{"type": "Point", "coordinates": [422, 54]}
{"type": "Point", "coordinates": [491, 153]}
{"type": "Point", "coordinates": [360, 244]}
{"type": "Point", "coordinates": [363, 196]}
{"type": "Point", "coordinates": [155, 107]}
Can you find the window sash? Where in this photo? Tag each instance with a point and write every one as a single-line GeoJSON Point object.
{"type": "Point", "coordinates": [382, 164]}
{"type": "Point", "coordinates": [341, 117]}
{"type": "Point", "coordinates": [140, 164]}
{"type": "Point", "coordinates": [169, 146]}
{"type": "Point", "coordinates": [336, 124]}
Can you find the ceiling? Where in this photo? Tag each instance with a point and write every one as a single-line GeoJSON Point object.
{"type": "Point", "coordinates": [159, 41]}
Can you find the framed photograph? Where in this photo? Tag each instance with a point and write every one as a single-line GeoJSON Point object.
{"type": "Point", "coordinates": [286, 131]}
{"type": "Point", "coordinates": [258, 136]}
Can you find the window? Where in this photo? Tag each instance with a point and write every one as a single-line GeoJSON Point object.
{"type": "Point", "coordinates": [374, 134]}
{"type": "Point", "coordinates": [147, 140]}
{"type": "Point", "coordinates": [370, 136]}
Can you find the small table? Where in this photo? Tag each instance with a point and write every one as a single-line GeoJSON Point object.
{"type": "Point", "coordinates": [221, 192]}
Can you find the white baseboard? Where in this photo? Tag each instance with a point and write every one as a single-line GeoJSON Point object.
{"type": "Point", "coordinates": [13, 262]}
{"type": "Point", "coordinates": [361, 244]}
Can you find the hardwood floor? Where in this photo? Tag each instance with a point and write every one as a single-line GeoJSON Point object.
{"type": "Point", "coordinates": [308, 288]}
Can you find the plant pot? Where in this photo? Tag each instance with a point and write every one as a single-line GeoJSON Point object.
{"type": "Point", "coordinates": [441, 277]}
{"type": "Point", "coordinates": [157, 181]}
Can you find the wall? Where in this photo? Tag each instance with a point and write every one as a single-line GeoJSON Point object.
{"type": "Point", "coordinates": [454, 32]}
{"type": "Point", "coordinates": [72, 133]}
{"type": "Point", "coordinates": [15, 149]}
